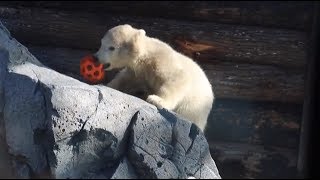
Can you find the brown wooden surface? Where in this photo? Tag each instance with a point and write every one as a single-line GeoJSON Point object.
{"type": "Point", "coordinates": [245, 161]}
{"type": "Point", "coordinates": [229, 79]}
{"type": "Point", "coordinates": [206, 42]}
{"type": "Point", "coordinates": [281, 14]}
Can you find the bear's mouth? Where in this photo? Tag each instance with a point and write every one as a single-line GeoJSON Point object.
{"type": "Point", "coordinates": [106, 66]}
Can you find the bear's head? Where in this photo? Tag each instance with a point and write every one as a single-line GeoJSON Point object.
{"type": "Point", "coordinates": [120, 47]}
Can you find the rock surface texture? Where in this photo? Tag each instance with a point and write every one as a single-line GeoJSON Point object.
{"type": "Point", "coordinates": [59, 127]}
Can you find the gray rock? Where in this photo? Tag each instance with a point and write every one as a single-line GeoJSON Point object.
{"type": "Point", "coordinates": [3, 57]}
{"type": "Point", "coordinates": [22, 170]}
{"type": "Point", "coordinates": [63, 128]}
{"type": "Point", "coordinates": [124, 171]}
{"type": "Point", "coordinates": [165, 146]}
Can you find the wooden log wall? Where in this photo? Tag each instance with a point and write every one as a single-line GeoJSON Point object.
{"type": "Point", "coordinates": [242, 62]}
{"type": "Point", "coordinates": [254, 54]}
{"type": "Point", "coordinates": [280, 14]}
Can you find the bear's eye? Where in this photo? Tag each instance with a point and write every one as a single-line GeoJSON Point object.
{"type": "Point", "coordinates": [111, 48]}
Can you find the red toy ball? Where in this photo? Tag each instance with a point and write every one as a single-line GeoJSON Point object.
{"type": "Point", "coordinates": [91, 70]}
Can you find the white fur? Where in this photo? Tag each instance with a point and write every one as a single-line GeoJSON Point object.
{"type": "Point", "coordinates": [172, 80]}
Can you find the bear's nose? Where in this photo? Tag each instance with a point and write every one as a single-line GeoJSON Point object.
{"type": "Point", "coordinates": [105, 66]}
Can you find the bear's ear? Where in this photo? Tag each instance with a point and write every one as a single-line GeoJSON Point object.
{"type": "Point", "coordinates": [127, 25]}
{"type": "Point", "coordinates": [136, 43]}
{"type": "Point", "coordinates": [141, 32]}
{"type": "Point", "coordinates": [138, 35]}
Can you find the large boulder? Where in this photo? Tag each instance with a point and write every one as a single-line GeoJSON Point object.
{"type": "Point", "coordinates": [59, 127]}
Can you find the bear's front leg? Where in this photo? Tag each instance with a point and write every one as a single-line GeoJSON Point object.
{"type": "Point", "coordinates": [156, 100]}
{"type": "Point", "coordinates": [121, 79]}
{"type": "Point", "coordinates": [167, 96]}
{"type": "Point", "coordinates": [126, 82]}
{"type": "Point", "coordinates": [161, 103]}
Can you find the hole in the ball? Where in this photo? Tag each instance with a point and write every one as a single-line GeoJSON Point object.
{"type": "Point", "coordinates": [96, 73]}
{"type": "Point", "coordinates": [89, 76]}
{"type": "Point", "coordinates": [83, 70]}
{"type": "Point", "coordinates": [89, 67]}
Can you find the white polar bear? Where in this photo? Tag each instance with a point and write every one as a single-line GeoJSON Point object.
{"type": "Point", "coordinates": [172, 81]}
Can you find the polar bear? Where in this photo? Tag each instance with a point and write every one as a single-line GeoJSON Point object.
{"type": "Point", "coordinates": [172, 80]}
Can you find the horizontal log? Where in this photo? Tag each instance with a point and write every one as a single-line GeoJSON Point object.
{"type": "Point", "coordinates": [245, 161]}
{"type": "Point", "coordinates": [297, 15]}
{"type": "Point", "coordinates": [205, 42]}
{"type": "Point", "coordinates": [229, 80]}
{"type": "Point", "coordinates": [255, 82]}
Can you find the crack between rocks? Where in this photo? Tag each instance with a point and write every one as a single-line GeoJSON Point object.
{"type": "Point", "coordinates": [190, 147]}
{"type": "Point", "coordinates": [126, 135]}
{"type": "Point", "coordinates": [125, 142]}
{"type": "Point", "coordinates": [199, 168]}
{"type": "Point", "coordinates": [100, 96]}
{"type": "Point", "coordinates": [201, 164]}
{"type": "Point", "coordinates": [181, 146]}
{"type": "Point", "coordinates": [187, 152]}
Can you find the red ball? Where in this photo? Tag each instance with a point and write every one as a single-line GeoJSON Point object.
{"type": "Point", "coordinates": [91, 70]}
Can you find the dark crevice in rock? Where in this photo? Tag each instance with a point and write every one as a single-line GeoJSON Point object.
{"type": "Point", "coordinates": [125, 143]}
{"type": "Point", "coordinates": [175, 142]}
{"type": "Point", "coordinates": [168, 116]}
{"type": "Point", "coordinates": [46, 135]}
{"type": "Point", "coordinates": [198, 169]}
{"type": "Point", "coordinates": [100, 96]}
{"type": "Point", "coordinates": [194, 131]}
{"type": "Point", "coordinates": [142, 170]}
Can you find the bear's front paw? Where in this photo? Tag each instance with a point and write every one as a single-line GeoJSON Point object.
{"type": "Point", "coordinates": [155, 100]}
